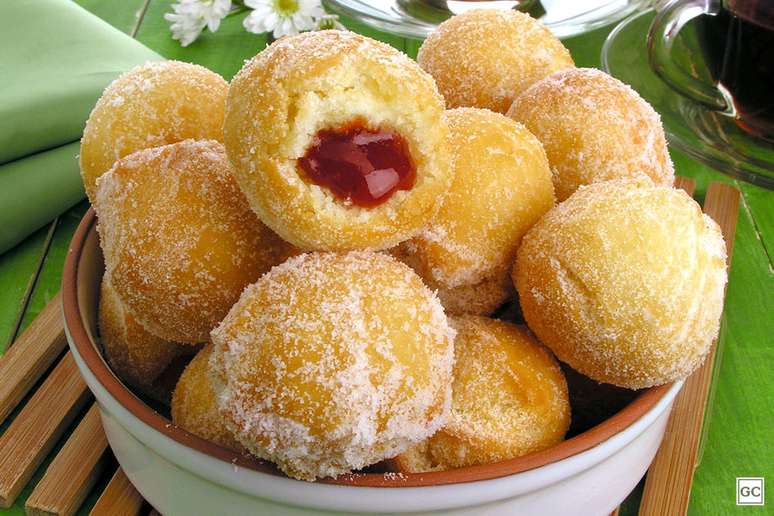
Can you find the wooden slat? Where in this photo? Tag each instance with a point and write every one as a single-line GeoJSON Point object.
{"type": "Point", "coordinates": [35, 431]}
{"type": "Point", "coordinates": [669, 480]}
{"type": "Point", "coordinates": [120, 498]}
{"type": "Point", "coordinates": [73, 472]}
{"type": "Point", "coordinates": [31, 355]}
{"type": "Point", "coordinates": [684, 183]}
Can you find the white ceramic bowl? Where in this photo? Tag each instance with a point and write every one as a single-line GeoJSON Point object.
{"type": "Point", "coordinates": [179, 473]}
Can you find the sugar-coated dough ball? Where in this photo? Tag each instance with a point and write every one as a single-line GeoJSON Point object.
{"type": "Point", "coordinates": [502, 186]}
{"type": "Point", "coordinates": [624, 282]}
{"type": "Point", "coordinates": [194, 406]}
{"type": "Point", "coordinates": [509, 399]}
{"type": "Point", "coordinates": [153, 104]}
{"type": "Point", "coordinates": [486, 57]}
{"type": "Point", "coordinates": [481, 298]}
{"type": "Point", "coordinates": [332, 362]}
{"type": "Point", "coordinates": [301, 88]}
{"type": "Point", "coordinates": [179, 239]}
{"type": "Point", "coordinates": [594, 128]}
{"type": "Point", "coordinates": [135, 356]}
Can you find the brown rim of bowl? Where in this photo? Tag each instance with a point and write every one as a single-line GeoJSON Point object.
{"type": "Point", "coordinates": [91, 356]}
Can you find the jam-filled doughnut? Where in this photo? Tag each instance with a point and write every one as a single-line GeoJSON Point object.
{"type": "Point", "coordinates": [594, 128]}
{"type": "Point", "coordinates": [137, 357]}
{"type": "Point", "coordinates": [338, 141]}
{"type": "Point", "coordinates": [179, 239]}
{"type": "Point", "coordinates": [509, 399]}
{"type": "Point", "coordinates": [502, 186]}
{"type": "Point", "coordinates": [151, 105]}
{"type": "Point", "coordinates": [331, 362]}
{"type": "Point", "coordinates": [624, 282]}
{"type": "Point", "coordinates": [486, 57]}
{"type": "Point", "coordinates": [194, 406]}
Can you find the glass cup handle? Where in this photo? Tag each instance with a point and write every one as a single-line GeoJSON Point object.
{"type": "Point", "coordinates": [661, 37]}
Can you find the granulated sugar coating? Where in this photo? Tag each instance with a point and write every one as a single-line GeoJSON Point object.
{"type": "Point", "coordinates": [624, 282]}
{"type": "Point", "coordinates": [502, 186]}
{"type": "Point", "coordinates": [481, 298]}
{"type": "Point", "coordinates": [179, 240]}
{"type": "Point", "coordinates": [332, 362]}
{"type": "Point", "coordinates": [594, 128]}
{"type": "Point", "coordinates": [136, 356]}
{"type": "Point", "coordinates": [312, 84]}
{"type": "Point", "coordinates": [151, 105]}
{"type": "Point", "coordinates": [509, 399]}
{"type": "Point", "coordinates": [194, 406]}
{"type": "Point", "coordinates": [486, 57]}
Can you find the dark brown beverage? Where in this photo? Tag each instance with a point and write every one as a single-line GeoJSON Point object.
{"type": "Point", "coordinates": [738, 44]}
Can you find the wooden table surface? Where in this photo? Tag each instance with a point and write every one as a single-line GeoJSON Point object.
{"type": "Point", "coordinates": [740, 419]}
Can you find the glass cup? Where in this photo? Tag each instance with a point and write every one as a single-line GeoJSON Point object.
{"type": "Point", "coordinates": [736, 41]}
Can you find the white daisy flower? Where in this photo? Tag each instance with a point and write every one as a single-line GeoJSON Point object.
{"type": "Point", "coordinates": [190, 17]}
{"type": "Point", "coordinates": [282, 17]}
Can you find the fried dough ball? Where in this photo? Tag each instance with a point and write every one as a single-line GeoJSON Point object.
{"type": "Point", "coordinates": [338, 141]}
{"type": "Point", "coordinates": [509, 399]}
{"type": "Point", "coordinates": [485, 58]}
{"type": "Point", "coordinates": [594, 128]}
{"type": "Point", "coordinates": [482, 298]}
{"type": "Point", "coordinates": [151, 105]}
{"type": "Point", "coordinates": [502, 186]}
{"type": "Point", "coordinates": [194, 406]}
{"type": "Point", "coordinates": [180, 241]}
{"type": "Point", "coordinates": [137, 357]}
{"type": "Point", "coordinates": [332, 362]}
{"type": "Point", "coordinates": [624, 282]}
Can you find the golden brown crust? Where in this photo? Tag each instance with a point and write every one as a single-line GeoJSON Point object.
{"type": "Point", "coordinates": [324, 80]}
{"type": "Point", "coordinates": [483, 298]}
{"type": "Point", "coordinates": [594, 128]}
{"type": "Point", "coordinates": [624, 282]}
{"type": "Point", "coordinates": [509, 398]}
{"type": "Point", "coordinates": [179, 240]}
{"type": "Point", "coordinates": [195, 408]}
{"type": "Point", "coordinates": [332, 362]}
{"type": "Point", "coordinates": [486, 57]}
{"type": "Point", "coordinates": [151, 105]}
{"type": "Point", "coordinates": [502, 185]}
{"type": "Point", "coordinates": [134, 354]}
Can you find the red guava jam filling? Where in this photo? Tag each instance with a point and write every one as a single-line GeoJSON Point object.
{"type": "Point", "coordinates": [360, 165]}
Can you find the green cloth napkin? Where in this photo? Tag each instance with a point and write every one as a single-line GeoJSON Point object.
{"type": "Point", "coordinates": [55, 60]}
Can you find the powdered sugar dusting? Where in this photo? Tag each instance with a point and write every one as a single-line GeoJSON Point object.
{"type": "Point", "coordinates": [501, 187]}
{"type": "Point", "coordinates": [303, 84]}
{"type": "Point", "coordinates": [594, 128]}
{"type": "Point", "coordinates": [153, 104]}
{"type": "Point", "coordinates": [179, 240]}
{"type": "Point", "coordinates": [332, 362]}
{"type": "Point", "coordinates": [624, 282]}
{"type": "Point", "coordinates": [486, 57]}
{"type": "Point", "coordinates": [136, 356]}
{"type": "Point", "coordinates": [509, 398]}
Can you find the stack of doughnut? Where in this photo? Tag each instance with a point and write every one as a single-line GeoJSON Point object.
{"type": "Point", "coordinates": [334, 233]}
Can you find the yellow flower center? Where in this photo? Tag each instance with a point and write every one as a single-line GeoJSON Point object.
{"type": "Point", "coordinates": [286, 7]}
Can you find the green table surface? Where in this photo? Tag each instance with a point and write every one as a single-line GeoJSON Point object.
{"type": "Point", "coordinates": [740, 420]}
